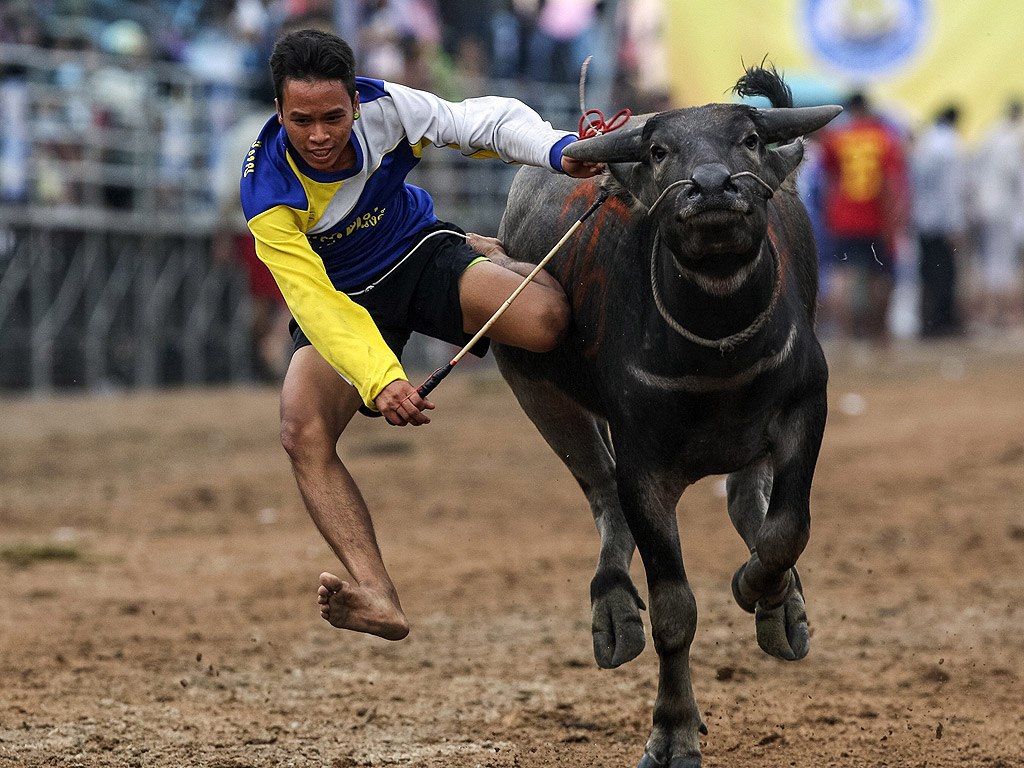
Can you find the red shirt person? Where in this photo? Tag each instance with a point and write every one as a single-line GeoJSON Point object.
{"type": "Point", "coordinates": [866, 199]}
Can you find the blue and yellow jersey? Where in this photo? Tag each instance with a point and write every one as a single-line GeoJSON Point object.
{"type": "Point", "coordinates": [322, 234]}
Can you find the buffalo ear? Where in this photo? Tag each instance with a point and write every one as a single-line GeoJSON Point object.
{"type": "Point", "coordinates": [625, 174]}
{"type": "Point", "coordinates": [634, 178]}
{"type": "Point", "coordinates": [786, 158]}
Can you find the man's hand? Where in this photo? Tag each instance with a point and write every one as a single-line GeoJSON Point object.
{"type": "Point", "coordinates": [581, 169]}
{"type": "Point", "coordinates": [401, 404]}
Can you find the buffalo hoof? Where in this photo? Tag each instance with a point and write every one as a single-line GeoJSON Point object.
{"type": "Point", "coordinates": [617, 627]}
{"type": "Point", "coordinates": [682, 761]}
{"type": "Point", "coordinates": [782, 630]}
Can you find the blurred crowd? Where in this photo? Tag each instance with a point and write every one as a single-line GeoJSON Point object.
{"type": "Point", "coordinates": [922, 209]}
{"type": "Point", "coordinates": [893, 205]}
{"type": "Point", "coordinates": [424, 43]}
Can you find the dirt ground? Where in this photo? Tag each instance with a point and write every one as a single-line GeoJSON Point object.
{"type": "Point", "coordinates": [159, 573]}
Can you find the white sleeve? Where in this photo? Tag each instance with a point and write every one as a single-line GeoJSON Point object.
{"type": "Point", "coordinates": [505, 127]}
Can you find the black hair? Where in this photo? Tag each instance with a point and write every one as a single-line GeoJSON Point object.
{"type": "Point", "coordinates": [857, 102]}
{"type": "Point", "coordinates": [311, 54]}
{"type": "Point", "coordinates": [767, 82]}
{"type": "Point", "coordinates": [950, 115]}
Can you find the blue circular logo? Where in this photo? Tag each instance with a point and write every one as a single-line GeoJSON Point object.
{"type": "Point", "coordinates": [865, 37]}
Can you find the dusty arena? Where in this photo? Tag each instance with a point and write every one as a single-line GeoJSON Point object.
{"type": "Point", "coordinates": [159, 589]}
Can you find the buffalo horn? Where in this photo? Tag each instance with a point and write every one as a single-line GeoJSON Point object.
{"type": "Point", "coordinates": [786, 123]}
{"type": "Point", "coordinates": [619, 146]}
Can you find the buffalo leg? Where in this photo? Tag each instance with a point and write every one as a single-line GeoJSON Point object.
{"type": "Point", "coordinates": [749, 490]}
{"type": "Point", "coordinates": [649, 505]}
{"type": "Point", "coordinates": [768, 583]}
{"type": "Point", "coordinates": [581, 442]}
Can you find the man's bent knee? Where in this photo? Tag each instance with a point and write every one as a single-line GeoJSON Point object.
{"type": "Point", "coordinates": [537, 321]}
{"type": "Point", "coordinates": [551, 325]}
{"type": "Point", "coordinates": [306, 438]}
{"type": "Point", "coordinates": [540, 325]}
{"type": "Point", "coordinates": [316, 405]}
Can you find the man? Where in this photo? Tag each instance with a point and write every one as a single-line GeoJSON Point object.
{"type": "Point", "coordinates": [998, 176]}
{"type": "Point", "coordinates": [866, 199]}
{"type": "Point", "coordinates": [937, 173]}
{"type": "Point", "coordinates": [362, 262]}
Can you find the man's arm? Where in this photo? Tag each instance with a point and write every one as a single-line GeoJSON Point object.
{"type": "Point", "coordinates": [491, 126]}
{"type": "Point", "coordinates": [341, 331]}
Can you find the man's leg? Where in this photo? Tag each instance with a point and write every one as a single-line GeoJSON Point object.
{"type": "Point", "coordinates": [880, 286]}
{"type": "Point", "coordinates": [536, 320]}
{"type": "Point", "coordinates": [841, 299]}
{"type": "Point", "coordinates": [316, 406]}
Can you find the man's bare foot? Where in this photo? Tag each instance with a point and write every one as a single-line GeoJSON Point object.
{"type": "Point", "coordinates": [490, 247]}
{"type": "Point", "coordinates": [361, 608]}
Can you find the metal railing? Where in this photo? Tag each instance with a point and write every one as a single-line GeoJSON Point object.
{"type": "Point", "coordinates": [95, 308]}
{"type": "Point", "coordinates": [109, 179]}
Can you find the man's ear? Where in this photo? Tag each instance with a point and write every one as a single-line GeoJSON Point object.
{"type": "Point", "coordinates": [355, 103]}
{"type": "Point", "coordinates": [277, 108]}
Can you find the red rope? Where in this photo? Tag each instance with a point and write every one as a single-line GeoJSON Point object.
{"type": "Point", "coordinates": [593, 123]}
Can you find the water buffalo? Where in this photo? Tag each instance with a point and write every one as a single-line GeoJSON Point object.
{"type": "Point", "coordinates": [691, 352]}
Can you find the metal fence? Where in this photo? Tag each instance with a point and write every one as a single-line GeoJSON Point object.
{"type": "Point", "coordinates": [110, 179]}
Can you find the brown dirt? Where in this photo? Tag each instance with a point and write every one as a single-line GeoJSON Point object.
{"type": "Point", "coordinates": [180, 629]}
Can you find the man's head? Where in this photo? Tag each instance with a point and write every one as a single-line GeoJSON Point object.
{"type": "Point", "coordinates": [311, 54]}
{"type": "Point", "coordinates": [949, 115]}
{"type": "Point", "coordinates": [316, 98]}
{"type": "Point", "coordinates": [857, 103]}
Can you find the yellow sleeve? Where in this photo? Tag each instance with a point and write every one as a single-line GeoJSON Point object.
{"type": "Point", "coordinates": [340, 330]}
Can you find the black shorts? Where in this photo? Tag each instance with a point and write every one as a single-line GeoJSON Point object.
{"type": "Point", "coordinates": [867, 254]}
{"type": "Point", "coordinates": [421, 294]}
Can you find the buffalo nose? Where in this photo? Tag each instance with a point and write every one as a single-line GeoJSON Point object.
{"type": "Point", "coordinates": [710, 179]}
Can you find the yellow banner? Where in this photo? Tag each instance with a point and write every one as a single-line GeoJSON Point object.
{"type": "Point", "coordinates": [912, 57]}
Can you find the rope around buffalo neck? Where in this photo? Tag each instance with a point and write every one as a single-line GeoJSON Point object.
{"type": "Point", "coordinates": [727, 343]}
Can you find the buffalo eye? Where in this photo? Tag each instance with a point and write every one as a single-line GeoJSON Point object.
{"type": "Point", "coordinates": [658, 153]}
{"type": "Point", "coordinates": [752, 141]}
